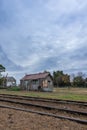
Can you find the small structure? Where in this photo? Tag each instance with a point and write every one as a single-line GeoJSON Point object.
{"type": "Point", "coordinates": [39, 81]}
{"type": "Point", "coordinates": [10, 81]}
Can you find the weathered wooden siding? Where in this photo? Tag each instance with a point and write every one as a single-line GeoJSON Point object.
{"type": "Point", "coordinates": [42, 84]}
{"type": "Point", "coordinates": [48, 84]}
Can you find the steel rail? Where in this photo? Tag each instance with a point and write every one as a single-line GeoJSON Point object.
{"type": "Point", "coordinates": [48, 99]}
{"type": "Point", "coordinates": [45, 100]}
{"type": "Point", "coordinates": [45, 107]}
{"type": "Point", "coordinates": [46, 114]}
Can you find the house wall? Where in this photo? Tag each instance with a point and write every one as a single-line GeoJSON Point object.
{"type": "Point", "coordinates": [30, 84]}
{"type": "Point", "coordinates": [34, 84]}
{"type": "Point", "coordinates": [48, 84]}
{"type": "Point", "coordinates": [25, 84]}
{"type": "Point", "coordinates": [10, 83]}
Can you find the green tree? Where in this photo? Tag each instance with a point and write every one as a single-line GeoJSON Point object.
{"type": "Point", "coordinates": [60, 79]}
{"type": "Point", "coordinates": [1, 80]}
{"type": "Point", "coordinates": [2, 69]}
{"type": "Point", "coordinates": [86, 82]}
{"type": "Point", "coordinates": [79, 80]}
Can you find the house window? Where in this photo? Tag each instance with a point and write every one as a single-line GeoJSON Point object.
{"type": "Point", "coordinates": [35, 81]}
{"type": "Point", "coordinates": [49, 82]}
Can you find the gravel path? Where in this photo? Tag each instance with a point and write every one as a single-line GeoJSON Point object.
{"type": "Point", "coordinates": [17, 120]}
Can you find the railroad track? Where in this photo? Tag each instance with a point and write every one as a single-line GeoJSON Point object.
{"type": "Point", "coordinates": [79, 106]}
{"type": "Point", "coordinates": [22, 103]}
{"type": "Point", "coordinates": [44, 99]}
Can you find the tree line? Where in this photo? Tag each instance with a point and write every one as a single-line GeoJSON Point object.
{"type": "Point", "coordinates": [65, 80]}
{"type": "Point", "coordinates": [60, 79]}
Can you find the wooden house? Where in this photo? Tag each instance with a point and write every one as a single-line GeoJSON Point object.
{"type": "Point", "coordinates": [39, 82]}
{"type": "Point", "coordinates": [9, 82]}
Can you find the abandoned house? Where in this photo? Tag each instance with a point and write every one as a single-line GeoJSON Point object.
{"type": "Point", "coordinates": [40, 81]}
{"type": "Point", "coordinates": [9, 82]}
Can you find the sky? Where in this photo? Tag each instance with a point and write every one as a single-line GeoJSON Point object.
{"type": "Point", "coordinates": [38, 35]}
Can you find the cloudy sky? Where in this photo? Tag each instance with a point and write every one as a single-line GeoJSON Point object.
{"type": "Point", "coordinates": [38, 35]}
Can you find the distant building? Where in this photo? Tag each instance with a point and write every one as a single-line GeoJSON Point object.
{"type": "Point", "coordinates": [9, 82]}
{"type": "Point", "coordinates": [39, 81]}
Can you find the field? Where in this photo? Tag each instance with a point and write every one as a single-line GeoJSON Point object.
{"type": "Point", "coordinates": [79, 94]}
{"type": "Point", "coordinates": [12, 119]}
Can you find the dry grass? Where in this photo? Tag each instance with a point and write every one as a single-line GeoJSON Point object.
{"type": "Point", "coordinates": [58, 93]}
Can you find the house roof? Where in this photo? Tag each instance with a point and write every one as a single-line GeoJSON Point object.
{"type": "Point", "coordinates": [11, 79]}
{"type": "Point", "coordinates": [36, 76]}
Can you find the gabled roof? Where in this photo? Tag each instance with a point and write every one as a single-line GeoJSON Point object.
{"type": "Point", "coordinates": [11, 79]}
{"type": "Point", "coordinates": [36, 76]}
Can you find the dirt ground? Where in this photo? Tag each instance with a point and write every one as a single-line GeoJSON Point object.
{"type": "Point", "coordinates": [18, 120]}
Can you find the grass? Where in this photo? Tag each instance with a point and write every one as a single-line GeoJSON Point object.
{"type": "Point", "coordinates": [13, 88]}
{"type": "Point", "coordinates": [79, 94]}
